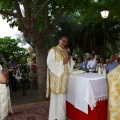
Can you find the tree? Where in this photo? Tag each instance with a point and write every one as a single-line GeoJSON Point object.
{"type": "Point", "coordinates": [67, 26]}
{"type": "Point", "coordinates": [9, 47]}
{"type": "Point", "coordinates": [38, 20]}
{"type": "Point", "coordinates": [90, 25]}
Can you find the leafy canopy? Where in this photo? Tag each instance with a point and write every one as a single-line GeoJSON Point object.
{"type": "Point", "coordinates": [9, 47]}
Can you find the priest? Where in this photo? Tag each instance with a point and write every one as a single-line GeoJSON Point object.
{"type": "Point", "coordinates": [59, 66]}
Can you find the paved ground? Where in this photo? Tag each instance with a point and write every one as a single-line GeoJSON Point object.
{"type": "Point", "coordinates": [31, 97]}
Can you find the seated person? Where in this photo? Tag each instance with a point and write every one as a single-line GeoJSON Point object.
{"type": "Point", "coordinates": [113, 63]}
{"type": "Point", "coordinates": [102, 64]}
{"type": "Point", "coordinates": [92, 63]}
{"type": "Point", "coordinates": [79, 63]}
{"type": "Point", "coordinates": [107, 61]}
{"type": "Point", "coordinates": [84, 64]}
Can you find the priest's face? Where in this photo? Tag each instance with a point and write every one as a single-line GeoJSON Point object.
{"type": "Point", "coordinates": [63, 42]}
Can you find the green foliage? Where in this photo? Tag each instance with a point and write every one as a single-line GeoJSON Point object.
{"type": "Point", "coordinates": [49, 42]}
{"type": "Point", "coordinates": [77, 52]}
{"type": "Point", "coordinates": [76, 33]}
{"type": "Point", "coordinates": [66, 26]}
{"type": "Point", "coordinates": [118, 45]}
{"type": "Point", "coordinates": [86, 13]}
{"type": "Point", "coordinates": [54, 7]}
{"type": "Point", "coordinates": [111, 49]}
{"type": "Point", "coordinates": [89, 11]}
{"type": "Point", "coordinates": [9, 47]}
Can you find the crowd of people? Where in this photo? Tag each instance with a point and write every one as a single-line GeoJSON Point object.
{"type": "Point", "coordinates": [92, 64]}
{"type": "Point", "coordinates": [25, 70]}
{"type": "Point", "coordinates": [10, 72]}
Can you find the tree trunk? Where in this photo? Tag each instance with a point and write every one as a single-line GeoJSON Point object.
{"type": "Point", "coordinates": [94, 43]}
{"type": "Point", "coordinates": [42, 71]}
{"type": "Point", "coordinates": [91, 44]}
{"type": "Point", "coordinates": [85, 41]}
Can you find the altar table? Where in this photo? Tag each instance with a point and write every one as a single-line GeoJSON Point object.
{"type": "Point", "coordinates": [87, 97]}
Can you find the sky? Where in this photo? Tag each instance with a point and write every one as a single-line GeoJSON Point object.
{"type": "Point", "coordinates": [5, 30]}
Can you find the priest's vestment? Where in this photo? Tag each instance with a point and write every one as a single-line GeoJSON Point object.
{"type": "Point", "coordinates": [58, 76]}
{"type": "Point", "coordinates": [113, 79]}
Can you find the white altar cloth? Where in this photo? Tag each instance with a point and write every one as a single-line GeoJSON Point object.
{"type": "Point", "coordinates": [86, 89]}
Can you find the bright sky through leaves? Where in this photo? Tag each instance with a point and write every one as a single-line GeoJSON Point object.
{"type": "Point", "coordinates": [5, 29]}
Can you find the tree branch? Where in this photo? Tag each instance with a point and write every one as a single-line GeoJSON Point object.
{"type": "Point", "coordinates": [28, 20]}
{"type": "Point", "coordinates": [50, 28]}
{"type": "Point", "coordinates": [47, 19]}
{"type": "Point", "coordinates": [41, 8]}
{"type": "Point", "coordinates": [18, 11]}
{"type": "Point", "coordinates": [35, 7]}
{"type": "Point", "coordinates": [26, 8]}
{"type": "Point", "coordinates": [9, 13]}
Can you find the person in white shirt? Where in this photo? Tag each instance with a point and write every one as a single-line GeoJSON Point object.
{"type": "Point", "coordinates": [102, 64]}
{"type": "Point", "coordinates": [59, 66]}
{"type": "Point", "coordinates": [92, 63]}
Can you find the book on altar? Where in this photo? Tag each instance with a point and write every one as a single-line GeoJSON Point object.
{"type": "Point", "coordinates": [77, 71]}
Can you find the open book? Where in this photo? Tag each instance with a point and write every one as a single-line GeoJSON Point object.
{"type": "Point", "coordinates": [77, 71]}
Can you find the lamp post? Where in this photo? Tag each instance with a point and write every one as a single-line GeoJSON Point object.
{"type": "Point", "coordinates": [104, 15]}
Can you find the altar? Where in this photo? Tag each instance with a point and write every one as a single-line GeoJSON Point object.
{"type": "Point", "coordinates": [87, 97]}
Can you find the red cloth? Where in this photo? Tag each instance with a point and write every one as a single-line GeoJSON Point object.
{"type": "Point", "coordinates": [99, 112]}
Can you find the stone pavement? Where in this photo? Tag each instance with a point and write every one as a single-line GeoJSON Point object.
{"type": "Point", "coordinates": [18, 99]}
{"type": "Point", "coordinates": [31, 96]}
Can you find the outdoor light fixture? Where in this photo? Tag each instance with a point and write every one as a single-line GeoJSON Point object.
{"type": "Point", "coordinates": [104, 13]}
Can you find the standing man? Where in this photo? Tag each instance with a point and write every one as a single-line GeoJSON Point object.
{"type": "Point", "coordinates": [59, 65]}
{"type": "Point", "coordinates": [92, 63]}
{"type": "Point", "coordinates": [11, 66]}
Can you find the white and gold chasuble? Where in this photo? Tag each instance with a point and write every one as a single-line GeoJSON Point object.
{"type": "Point", "coordinates": [114, 94]}
{"type": "Point", "coordinates": [58, 71]}
{"type": "Point", "coordinates": [57, 77]}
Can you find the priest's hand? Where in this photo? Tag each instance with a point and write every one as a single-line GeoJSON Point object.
{"type": "Point", "coordinates": [65, 60]}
